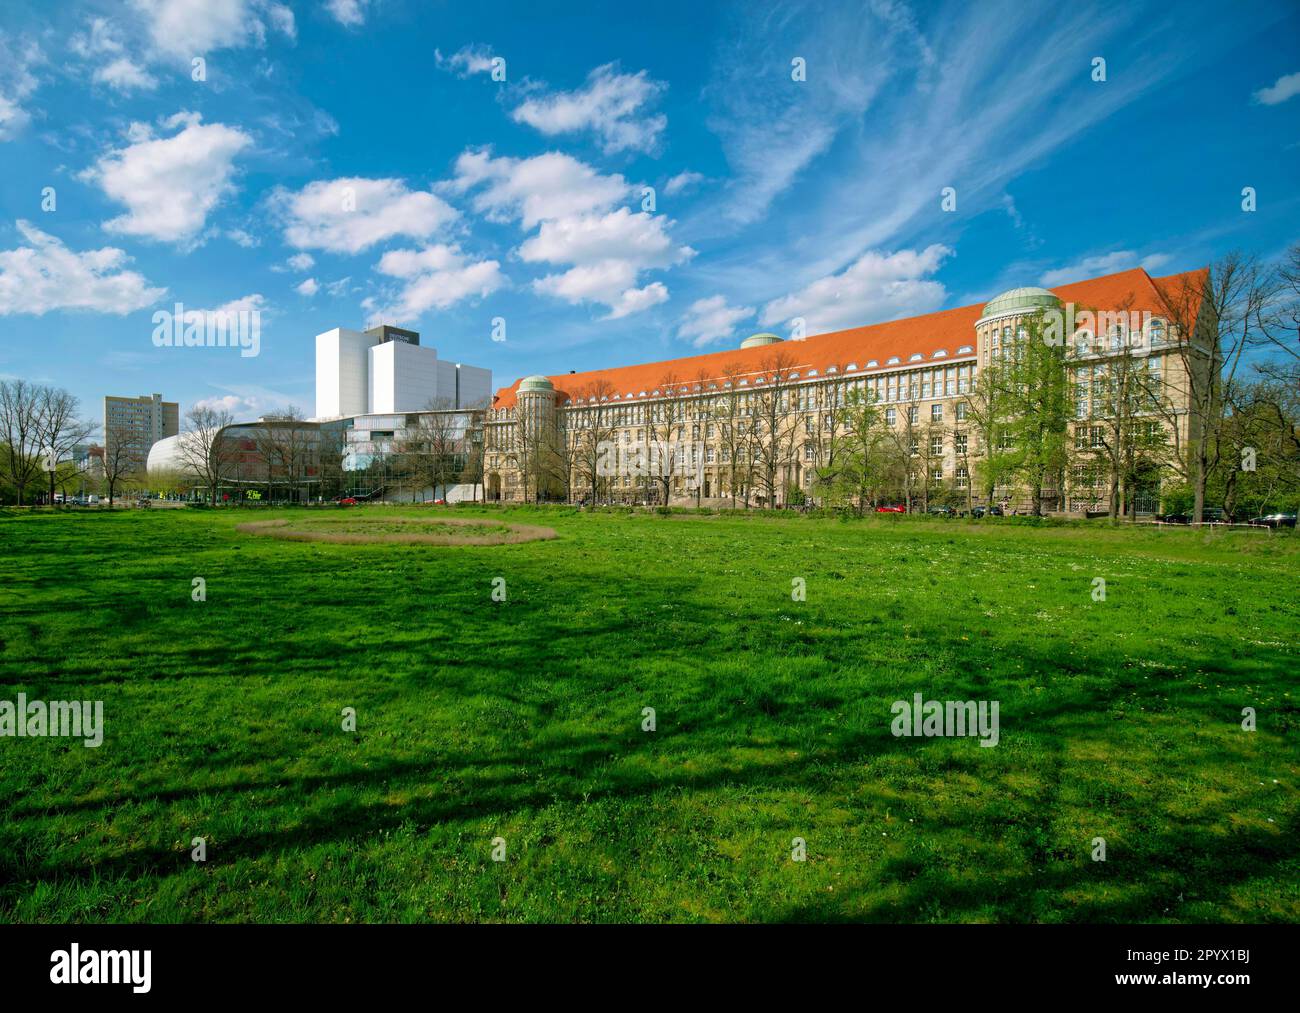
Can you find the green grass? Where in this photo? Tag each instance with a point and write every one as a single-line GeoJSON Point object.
{"type": "Point", "coordinates": [522, 720]}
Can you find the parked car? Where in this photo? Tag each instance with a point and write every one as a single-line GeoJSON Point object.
{"type": "Point", "coordinates": [896, 508]}
{"type": "Point", "coordinates": [1274, 520]}
{"type": "Point", "coordinates": [1176, 519]}
{"type": "Point", "coordinates": [92, 501]}
{"type": "Point", "coordinates": [942, 511]}
{"type": "Point", "coordinates": [983, 511]}
{"type": "Point", "coordinates": [346, 501]}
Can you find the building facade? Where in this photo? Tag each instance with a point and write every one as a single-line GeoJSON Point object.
{"type": "Point", "coordinates": [387, 370]}
{"type": "Point", "coordinates": [137, 423]}
{"type": "Point", "coordinates": [405, 457]}
{"type": "Point", "coordinates": [761, 424]}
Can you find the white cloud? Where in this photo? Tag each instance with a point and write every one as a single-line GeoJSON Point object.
{"type": "Point", "coordinates": [436, 277]}
{"type": "Point", "coordinates": [302, 261]}
{"type": "Point", "coordinates": [1285, 87]}
{"type": "Point", "coordinates": [101, 45]}
{"type": "Point", "coordinates": [610, 106]}
{"type": "Point", "coordinates": [874, 288]}
{"type": "Point", "coordinates": [308, 288]}
{"type": "Point", "coordinates": [466, 61]}
{"type": "Point", "coordinates": [348, 12]}
{"type": "Point", "coordinates": [243, 238]}
{"type": "Point", "coordinates": [639, 239]}
{"type": "Point", "coordinates": [546, 186]}
{"type": "Point", "coordinates": [683, 182]}
{"type": "Point", "coordinates": [17, 82]}
{"type": "Point", "coordinates": [253, 303]}
{"type": "Point", "coordinates": [247, 402]}
{"type": "Point", "coordinates": [184, 29]}
{"type": "Point", "coordinates": [125, 75]}
{"type": "Point", "coordinates": [572, 207]}
{"type": "Point", "coordinates": [1102, 264]}
{"type": "Point", "coordinates": [169, 184]}
{"type": "Point", "coordinates": [712, 319]}
{"type": "Point", "coordinates": [45, 275]}
{"type": "Point", "coordinates": [634, 300]}
{"type": "Point", "coordinates": [349, 214]}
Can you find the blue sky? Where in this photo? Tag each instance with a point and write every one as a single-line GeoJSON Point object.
{"type": "Point", "coordinates": [351, 161]}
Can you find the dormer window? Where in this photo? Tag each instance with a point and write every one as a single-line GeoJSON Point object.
{"type": "Point", "coordinates": [965, 350]}
{"type": "Point", "coordinates": [851, 367]}
{"type": "Point", "coordinates": [830, 370]}
{"type": "Point", "coordinates": [872, 363]}
{"type": "Point", "coordinates": [893, 360]}
{"type": "Point", "coordinates": [915, 357]}
{"type": "Point", "coordinates": [942, 353]}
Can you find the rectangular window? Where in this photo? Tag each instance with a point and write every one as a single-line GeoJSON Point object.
{"type": "Point", "coordinates": [913, 414]}
{"type": "Point", "coordinates": [959, 443]}
{"type": "Point", "coordinates": [936, 444]}
{"type": "Point", "coordinates": [962, 410]}
{"type": "Point", "coordinates": [936, 413]}
{"type": "Point", "coordinates": [891, 416]}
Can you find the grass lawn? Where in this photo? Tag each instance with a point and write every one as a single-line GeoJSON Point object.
{"type": "Point", "coordinates": [522, 720]}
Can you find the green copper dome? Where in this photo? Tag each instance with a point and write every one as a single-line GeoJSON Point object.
{"type": "Point", "coordinates": [535, 383]}
{"type": "Point", "coordinates": [757, 340]}
{"type": "Point", "coordinates": [1020, 300]}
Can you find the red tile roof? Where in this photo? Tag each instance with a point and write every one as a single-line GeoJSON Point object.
{"type": "Point", "coordinates": [947, 330]}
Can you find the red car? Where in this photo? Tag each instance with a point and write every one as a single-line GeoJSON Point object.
{"type": "Point", "coordinates": [897, 508]}
{"type": "Point", "coordinates": [346, 501]}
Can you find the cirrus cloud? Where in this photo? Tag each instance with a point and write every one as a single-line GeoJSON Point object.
{"type": "Point", "coordinates": [609, 105]}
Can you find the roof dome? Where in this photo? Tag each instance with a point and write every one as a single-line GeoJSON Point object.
{"type": "Point", "coordinates": [757, 340]}
{"type": "Point", "coordinates": [535, 382]}
{"type": "Point", "coordinates": [1020, 300]}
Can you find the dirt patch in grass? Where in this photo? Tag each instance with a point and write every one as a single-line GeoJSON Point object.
{"type": "Point", "coordinates": [394, 530]}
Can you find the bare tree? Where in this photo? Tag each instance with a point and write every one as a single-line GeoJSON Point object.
{"type": "Point", "coordinates": [775, 422]}
{"type": "Point", "coordinates": [1279, 323]}
{"type": "Point", "coordinates": [593, 431]}
{"type": "Point", "coordinates": [1217, 316]}
{"type": "Point", "coordinates": [20, 409]}
{"type": "Point", "coordinates": [729, 412]}
{"type": "Point", "coordinates": [58, 429]}
{"type": "Point", "coordinates": [204, 451]}
{"type": "Point", "coordinates": [122, 451]}
{"type": "Point", "coordinates": [665, 423]}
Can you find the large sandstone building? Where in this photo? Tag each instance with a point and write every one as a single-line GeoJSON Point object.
{"type": "Point", "coordinates": [759, 423]}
